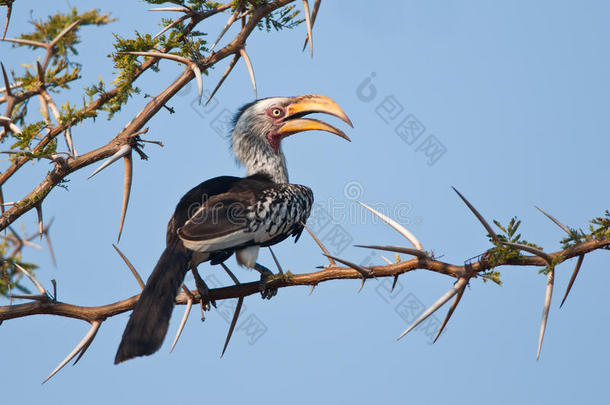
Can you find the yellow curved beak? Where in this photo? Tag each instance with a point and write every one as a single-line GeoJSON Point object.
{"type": "Point", "coordinates": [310, 104]}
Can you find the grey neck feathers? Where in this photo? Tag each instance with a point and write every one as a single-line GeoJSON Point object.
{"type": "Point", "coordinates": [257, 155]}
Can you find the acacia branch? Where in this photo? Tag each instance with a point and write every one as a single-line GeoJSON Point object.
{"type": "Point", "coordinates": [101, 313]}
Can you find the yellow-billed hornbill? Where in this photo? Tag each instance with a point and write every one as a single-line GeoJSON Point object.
{"type": "Point", "coordinates": [227, 215]}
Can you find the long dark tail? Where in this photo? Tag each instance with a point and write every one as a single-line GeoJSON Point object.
{"type": "Point", "coordinates": [149, 320]}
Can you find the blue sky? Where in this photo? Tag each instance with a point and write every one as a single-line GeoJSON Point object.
{"type": "Point", "coordinates": [513, 98]}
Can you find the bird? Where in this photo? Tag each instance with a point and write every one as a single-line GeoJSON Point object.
{"type": "Point", "coordinates": [227, 214]}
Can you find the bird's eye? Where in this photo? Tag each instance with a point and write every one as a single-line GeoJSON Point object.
{"type": "Point", "coordinates": [276, 112]}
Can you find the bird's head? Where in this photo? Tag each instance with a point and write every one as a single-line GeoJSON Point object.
{"type": "Point", "coordinates": [260, 127]}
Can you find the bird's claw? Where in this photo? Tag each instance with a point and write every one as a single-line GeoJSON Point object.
{"type": "Point", "coordinates": [204, 292]}
{"type": "Point", "coordinates": [266, 277]}
{"type": "Point", "coordinates": [267, 293]}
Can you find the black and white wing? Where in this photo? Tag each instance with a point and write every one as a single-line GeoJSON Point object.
{"type": "Point", "coordinates": [252, 211]}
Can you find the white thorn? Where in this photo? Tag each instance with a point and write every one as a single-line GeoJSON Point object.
{"type": "Point", "coordinates": [439, 303]}
{"type": "Point", "coordinates": [309, 25]}
{"type": "Point", "coordinates": [246, 59]}
{"type": "Point", "coordinates": [545, 310]}
{"type": "Point", "coordinates": [401, 229]}
{"type": "Point", "coordinates": [131, 267]}
{"type": "Point", "coordinates": [25, 42]}
{"type": "Point", "coordinates": [388, 261]}
{"type": "Point", "coordinates": [197, 72]}
{"type": "Point", "coordinates": [232, 19]}
{"type": "Point", "coordinates": [31, 244]}
{"type": "Point", "coordinates": [95, 325]}
{"type": "Point", "coordinates": [52, 105]}
{"type": "Point", "coordinates": [187, 311]}
{"type": "Point", "coordinates": [69, 142]}
{"type": "Point", "coordinates": [7, 121]}
{"type": "Point", "coordinates": [178, 21]}
{"type": "Point", "coordinates": [64, 32]}
{"type": "Point", "coordinates": [184, 10]}
{"type": "Point", "coordinates": [124, 150]}
{"type": "Point", "coordinates": [29, 275]}
{"type": "Point", "coordinates": [559, 224]}
{"type": "Point", "coordinates": [477, 214]}
{"type": "Point", "coordinates": [398, 249]}
{"type": "Point", "coordinates": [160, 55]}
{"type": "Point", "coordinates": [14, 128]}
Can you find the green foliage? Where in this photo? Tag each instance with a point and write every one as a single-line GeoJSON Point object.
{"type": "Point", "coordinates": [191, 47]}
{"type": "Point", "coordinates": [127, 68]}
{"type": "Point", "coordinates": [58, 75]}
{"type": "Point", "coordinates": [493, 276]}
{"type": "Point", "coordinates": [280, 19]}
{"type": "Point", "coordinates": [70, 115]}
{"type": "Point", "coordinates": [177, 2]}
{"type": "Point", "coordinates": [11, 278]}
{"type": "Point", "coordinates": [505, 254]}
{"type": "Point", "coordinates": [502, 254]}
{"type": "Point", "coordinates": [30, 133]}
{"type": "Point", "coordinates": [599, 229]}
{"type": "Point", "coordinates": [54, 80]}
{"type": "Point", "coordinates": [600, 226]}
{"type": "Point", "coordinates": [46, 31]}
{"type": "Point", "coordinates": [29, 81]}
{"type": "Point", "coordinates": [195, 5]}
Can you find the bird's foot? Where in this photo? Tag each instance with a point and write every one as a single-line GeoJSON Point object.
{"type": "Point", "coordinates": [266, 277]}
{"type": "Point", "coordinates": [203, 290]}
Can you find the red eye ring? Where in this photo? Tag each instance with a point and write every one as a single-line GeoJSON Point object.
{"type": "Point", "coordinates": [276, 112]}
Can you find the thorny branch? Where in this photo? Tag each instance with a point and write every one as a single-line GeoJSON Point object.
{"type": "Point", "coordinates": [66, 166]}
{"type": "Point", "coordinates": [329, 273]}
